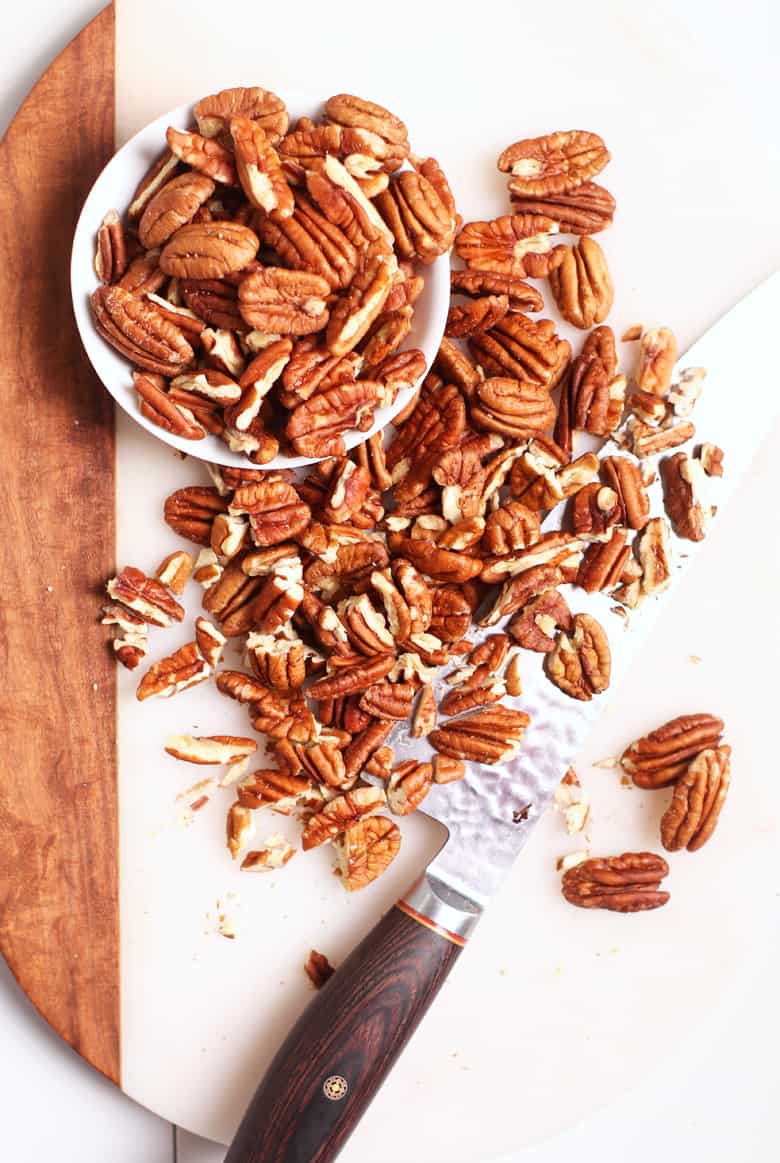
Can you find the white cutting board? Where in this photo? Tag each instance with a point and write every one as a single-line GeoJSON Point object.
{"type": "Point", "coordinates": [553, 1011]}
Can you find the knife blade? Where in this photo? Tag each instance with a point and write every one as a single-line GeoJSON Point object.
{"type": "Point", "coordinates": [337, 1055]}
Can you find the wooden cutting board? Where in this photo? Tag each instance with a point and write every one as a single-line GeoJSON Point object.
{"type": "Point", "coordinates": [59, 922]}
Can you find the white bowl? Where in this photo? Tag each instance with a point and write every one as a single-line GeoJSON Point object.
{"type": "Point", "coordinates": [113, 190]}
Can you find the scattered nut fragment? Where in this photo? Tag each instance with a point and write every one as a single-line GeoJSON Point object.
{"type": "Point", "coordinates": [216, 749]}
{"type": "Point", "coordinates": [632, 333]}
{"type": "Point", "coordinates": [699, 795]}
{"type": "Point", "coordinates": [424, 717]}
{"type": "Point", "coordinates": [318, 969]}
{"type": "Point", "coordinates": [625, 884]}
{"type": "Point", "coordinates": [682, 480]}
{"type": "Point", "coordinates": [365, 849]}
{"type": "Point", "coordinates": [570, 800]}
{"type": "Point", "coordinates": [661, 757]}
{"type": "Point", "coordinates": [276, 853]}
{"type": "Point", "coordinates": [175, 570]}
{"type": "Point", "coordinates": [580, 662]}
{"type": "Point", "coordinates": [512, 677]}
{"type": "Point", "coordinates": [711, 458]}
{"type": "Point", "coordinates": [657, 353]}
{"type": "Point", "coordinates": [240, 827]}
{"type": "Point", "coordinates": [447, 770]}
{"type": "Point", "coordinates": [184, 668]}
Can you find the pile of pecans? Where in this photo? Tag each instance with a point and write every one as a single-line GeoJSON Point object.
{"type": "Point", "coordinates": [264, 279]}
{"type": "Point", "coordinates": [353, 584]}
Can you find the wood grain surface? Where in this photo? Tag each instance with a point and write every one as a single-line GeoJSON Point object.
{"type": "Point", "coordinates": [58, 808]}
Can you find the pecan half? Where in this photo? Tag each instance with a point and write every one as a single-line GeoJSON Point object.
{"type": "Point", "coordinates": [146, 596]}
{"type": "Point", "coordinates": [210, 641]}
{"type": "Point", "coordinates": [356, 310]}
{"type": "Point", "coordinates": [582, 286]}
{"type": "Point", "coordinates": [357, 113]}
{"type": "Point", "coordinates": [478, 315]}
{"type": "Point", "coordinates": [451, 613]}
{"type": "Point", "coordinates": [284, 302]}
{"type": "Point", "coordinates": [354, 678]}
{"type": "Point", "coordinates": [364, 745]}
{"type": "Point", "coordinates": [657, 353]}
{"type": "Point", "coordinates": [210, 749]}
{"type": "Point", "coordinates": [485, 736]}
{"type": "Point", "coordinates": [511, 407]}
{"type": "Point", "coordinates": [156, 405]}
{"type": "Point", "coordinates": [625, 477]}
{"type": "Point", "coordinates": [580, 662]}
{"type": "Point", "coordinates": [625, 884]}
{"type": "Point", "coordinates": [182, 669]}
{"type": "Point", "coordinates": [190, 512]}
{"type": "Point", "coordinates": [553, 549]}
{"type": "Point", "coordinates": [682, 478]}
{"type": "Point", "coordinates": [280, 790]}
{"type": "Point", "coordinates": [343, 203]}
{"type": "Point", "coordinates": [389, 700]}
{"type": "Point", "coordinates": [139, 332]}
{"type": "Point", "coordinates": [647, 440]}
{"type": "Point", "coordinates": [520, 296]}
{"type": "Point", "coordinates": [365, 849]}
{"type": "Point", "coordinates": [214, 113]}
{"type": "Point", "coordinates": [699, 795]}
{"type": "Point", "coordinates": [595, 394]}
{"type": "Point", "coordinates": [111, 253]}
{"type": "Point", "coordinates": [316, 427]}
{"type": "Point", "coordinates": [455, 367]}
{"type": "Point", "coordinates": [554, 163]}
{"type": "Point", "coordinates": [152, 181]}
{"type": "Point", "coordinates": [209, 157]}
{"type": "Point", "coordinates": [514, 245]}
{"type": "Point", "coordinates": [208, 250]}
{"type": "Point", "coordinates": [408, 786]}
{"type": "Point", "coordinates": [603, 563]}
{"type": "Point", "coordinates": [425, 716]}
{"type": "Point", "coordinates": [308, 241]}
{"type": "Point", "coordinates": [655, 556]}
{"type": "Point", "coordinates": [240, 828]}
{"type": "Point", "coordinates": [276, 512]}
{"type": "Point", "coordinates": [173, 206]}
{"type": "Point", "coordinates": [341, 813]}
{"type": "Point", "coordinates": [585, 210]}
{"type": "Point", "coordinates": [443, 565]}
{"type": "Point", "coordinates": [422, 224]}
{"type": "Point", "coordinates": [659, 758]}
{"type": "Point", "coordinates": [527, 350]}
{"type": "Point", "coordinates": [595, 510]}
{"type": "Point", "coordinates": [259, 169]}
{"type": "Point", "coordinates": [533, 627]}
{"type": "Point", "coordinates": [436, 424]}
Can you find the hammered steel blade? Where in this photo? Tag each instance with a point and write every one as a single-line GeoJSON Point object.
{"type": "Point", "coordinates": [489, 814]}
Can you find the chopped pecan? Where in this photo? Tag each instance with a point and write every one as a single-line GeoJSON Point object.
{"type": "Point", "coordinates": [174, 205]}
{"type": "Point", "coordinates": [711, 458]}
{"type": "Point", "coordinates": [533, 627]}
{"type": "Point", "coordinates": [485, 736]}
{"type": "Point", "coordinates": [553, 164]}
{"type": "Point", "coordinates": [657, 353]}
{"type": "Point", "coordinates": [131, 640]}
{"type": "Point", "coordinates": [425, 716]}
{"type": "Point", "coordinates": [139, 332]}
{"type": "Point", "coordinates": [478, 315]}
{"type": "Point", "coordinates": [520, 296]}
{"type": "Point", "coordinates": [513, 678]}
{"type": "Point", "coordinates": [447, 770]}
{"type": "Point", "coordinates": [514, 245]}
{"type": "Point", "coordinates": [284, 302]}
{"type": "Point", "coordinates": [389, 700]}
{"type": "Point", "coordinates": [364, 745]}
{"type": "Point", "coordinates": [214, 113]}
{"type": "Point", "coordinates": [207, 571]}
{"type": "Point", "coordinates": [443, 565]}
{"type": "Point", "coordinates": [682, 478]}
{"type": "Point", "coordinates": [408, 786]}
{"type": "Point", "coordinates": [580, 662]}
{"type": "Point", "coordinates": [570, 800]}
{"type": "Point", "coordinates": [655, 556]}
{"type": "Point", "coordinates": [659, 758]}
{"type": "Point", "coordinates": [683, 395]}
{"type": "Point", "coordinates": [511, 407]}
{"type": "Point", "coordinates": [240, 827]}
{"type": "Point", "coordinates": [365, 849]}
{"type": "Point", "coordinates": [585, 210]}
{"type": "Point", "coordinates": [625, 477]}
{"type": "Point", "coordinates": [603, 563]}
{"type": "Point", "coordinates": [276, 853]}
{"type": "Point", "coordinates": [281, 790]}
{"type": "Point", "coordinates": [581, 284]}
{"type": "Point", "coordinates": [208, 250]}
{"type": "Point", "coordinates": [644, 440]}
{"type": "Point", "coordinates": [146, 596]}
{"type": "Point", "coordinates": [596, 508]}
{"type": "Point", "coordinates": [318, 969]}
{"type": "Point", "coordinates": [527, 350]}
{"type": "Point", "coordinates": [275, 511]}
{"type": "Point", "coordinates": [624, 884]}
{"type": "Point", "coordinates": [111, 253]}
{"type": "Point", "coordinates": [210, 749]}
{"type": "Point", "coordinates": [699, 795]}
{"type": "Point", "coordinates": [341, 813]}
{"type": "Point", "coordinates": [182, 669]}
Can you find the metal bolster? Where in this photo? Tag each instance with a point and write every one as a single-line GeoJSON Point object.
{"type": "Point", "coordinates": [430, 901]}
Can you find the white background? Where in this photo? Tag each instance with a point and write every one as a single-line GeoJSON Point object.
{"type": "Point", "coordinates": [720, 1099]}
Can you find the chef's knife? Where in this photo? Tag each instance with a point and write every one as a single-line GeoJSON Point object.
{"type": "Point", "coordinates": [339, 1052]}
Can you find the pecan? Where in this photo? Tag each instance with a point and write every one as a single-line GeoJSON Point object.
{"type": "Point", "coordinates": [450, 613]}
{"type": "Point", "coordinates": [625, 478]}
{"type": "Point", "coordinates": [570, 800]}
{"type": "Point", "coordinates": [455, 367]}
{"type": "Point", "coordinates": [510, 528]}
{"type": "Point", "coordinates": [359, 752]}
{"type": "Point", "coordinates": [485, 736]}
{"type": "Point", "coordinates": [463, 535]}
{"type": "Point", "coordinates": [240, 827]}
{"type": "Point", "coordinates": [533, 627]}
{"type": "Point", "coordinates": [417, 596]}
{"type": "Point", "coordinates": [182, 669]}
{"type": "Point", "coordinates": [190, 512]}
{"type": "Point", "coordinates": [207, 156]}
{"type": "Point", "coordinates": [432, 171]}
{"type": "Point", "coordinates": [447, 770]}
{"type": "Point", "coordinates": [215, 301]}
{"type": "Point", "coordinates": [281, 790]}
{"type": "Point", "coordinates": [513, 678]}
{"type": "Point", "coordinates": [228, 535]}
{"type": "Point", "coordinates": [365, 849]}
{"type": "Point", "coordinates": [186, 320]}
{"type": "Point", "coordinates": [396, 372]}
{"type": "Point", "coordinates": [657, 353]}
{"type": "Point", "coordinates": [323, 762]}
{"type": "Point", "coordinates": [645, 440]}
{"type": "Point", "coordinates": [595, 394]}
{"type": "Point", "coordinates": [511, 407]}
{"type": "Point", "coordinates": [341, 813]}
{"type": "Point", "coordinates": [624, 884]}
{"type": "Point", "coordinates": [436, 424]}
{"type": "Point", "coordinates": [519, 590]}
{"type": "Point", "coordinates": [315, 428]}
{"type": "Point", "coordinates": [274, 605]}
{"type": "Point", "coordinates": [156, 405]}
{"type": "Point", "coordinates": [541, 478]}
{"type": "Point", "coordinates": [318, 969]}
{"type": "Point", "coordinates": [295, 724]}
{"type": "Point", "coordinates": [210, 641]}
{"type": "Point", "coordinates": [222, 351]}
{"type": "Point", "coordinates": [554, 548]}
{"type": "Point", "coordinates": [284, 302]}
{"type": "Point", "coordinates": [152, 181]}
{"type": "Point", "coordinates": [278, 662]}
{"type": "Point", "coordinates": [596, 508]}
{"type": "Point", "coordinates": [682, 479]}
{"type": "Point", "coordinates": [174, 571]}
{"type": "Point", "coordinates": [603, 563]}
{"type": "Point", "coordinates": [259, 170]}
{"type": "Point", "coordinates": [478, 315]}
{"type": "Point", "coordinates": [207, 570]}
{"type": "Point", "coordinates": [389, 700]}
{"type": "Point", "coordinates": [422, 224]}
{"type": "Point", "coordinates": [443, 565]}
{"type": "Point", "coordinates": [585, 210]}
{"type": "Point", "coordinates": [711, 458]}
{"type": "Point", "coordinates": [424, 717]}
{"type": "Point", "coordinates": [215, 112]}
{"type": "Point", "coordinates": [381, 762]}
{"type": "Point", "coordinates": [146, 596]}
{"type": "Point", "coordinates": [385, 337]}
{"type": "Point", "coordinates": [210, 749]}
{"type": "Point", "coordinates": [311, 370]}
{"type": "Point", "coordinates": [553, 164]}
{"type": "Point", "coordinates": [111, 253]}
{"type": "Point", "coordinates": [654, 556]}
{"type": "Point", "coordinates": [355, 311]}
{"type": "Point", "coordinates": [358, 676]}
{"type": "Point", "coordinates": [139, 332]}
{"type": "Point", "coordinates": [408, 786]}
{"type": "Point", "coordinates": [208, 250]}
{"type": "Point", "coordinates": [356, 113]}
{"type": "Point", "coordinates": [580, 662]}
{"type": "Point", "coordinates": [343, 561]}
{"type": "Point", "coordinates": [131, 641]}
{"type": "Point", "coordinates": [520, 296]}
{"type": "Point", "coordinates": [172, 207]}
{"type": "Point", "coordinates": [460, 700]}
{"type": "Point", "coordinates": [143, 275]}
{"type": "Point", "coordinates": [275, 511]}
{"type": "Point", "coordinates": [514, 245]}
{"type": "Point", "coordinates": [463, 478]}
{"type": "Point", "coordinates": [683, 395]}
{"type": "Point", "coordinates": [308, 241]}
{"type": "Point", "coordinates": [581, 285]}
{"type": "Point", "coordinates": [276, 853]}
{"type": "Point", "coordinates": [344, 204]}
{"type": "Point", "coordinates": [659, 758]}
{"type": "Point", "coordinates": [527, 350]}
{"type": "Point", "coordinates": [366, 627]}
{"type": "Point", "coordinates": [245, 689]}
{"type": "Point", "coordinates": [699, 795]}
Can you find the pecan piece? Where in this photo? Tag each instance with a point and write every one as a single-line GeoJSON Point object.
{"type": "Point", "coordinates": [585, 210]}
{"type": "Point", "coordinates": [654, 556]}
{"type": "Point", "coordinates": [356, 310]}
{"type": "Point", "coordinates": [389, 700]}
{"type": "Point", "coordinates": [152, 181]}
{"type": "Point", "coordinates": [174, 571]}
{"type": "Point", "coordinates": [625, 477]}
{"type": "Point", "coordinates": [111, 252]}
{"type": "Point", "coordinates": [425, 717]}
{"type": "Point", "coordinates": [699, 795]}
{"type": "Point", "coordinates": [510, 528]}
{"type": "Point", "coordinates": [455, 367]}
{"type": "Point", "coordinates": [275, 855]}
{"type": "Point", "coordinates": [318, 969]}
{"type": "Point", "coordinates": [284, 302]}
{"type": "Point", "coordinates": [682, 479]}
{"type": "Point", "coordinates": [131, 640]}
{"type": "Point", "coordinates": [208, 250]}
{"type": "Point", "coordinates": [353, 112]}
{"type": "Point", "coordinates": [280, 790]}
{"type": "Point", "coordinates": [603, 563]}
{"type": "Point", "coordinates": [385, 337]}
{"type": "Point", "coordinates": [240, 828]}
{"type": "Point", "coordinates": [323, 762]}
{"type": "Point", "coordinates": [582, 286]}
{"type": "Point", "coordinates": [443, 565]}
{"type": "Point", "coordinates": [659, 758]}
{"type": "Point", "coordinates": [595, 394]}
{"type": "Point", "coordinates": [657, 353]}
{"type": "Point", "coordinates": [533, 627]}
{"type": "Point", "coordinates": [511, 407]}
{"type": "Point", "coordinates": [596, 508]}
{"type": "Point", "coordinates": [711, 458]}
{"type": "Point", "coordinates": [341, 813]}
{"type": "Point", "coordinates": [190, 512]}
{"type": "Point", "coordinates": [207, 156]}
{"type": "Point", "coordinates": [139, 332]}
{"type": "Point", "coordinates": [316, 427]}
{"type": "Point", "coordinates": [311, 370]}
{"type": "Point", "coordinates": [210, 749]}
{"type": "Point", "coordinates": [275, 511]}
{"type": "Point", "coordinates": [359, 752]}
{"type": "Point", "coordinates": [553, 549]}
{"type": "Point", "coordinates": [143, 275]}
{"type": "Point", "coordinates": [527, 350]}
{"type": "Point", "coordinates": [279, 663]}
{"type": "Point", "coordinates": [214, 113]}
{"type": "Point", "coordinates": [580, 662]}
{"type": "Point", "coordinates": [520, 296]}
{"type": "Point", "coordinates": [422, 224]}
{"type": "Point", "coordinates": [146, 596]}
{"type": "Point", "coordinates": [466, 699]}
{"type": "Point", "coordinates": [210, 641]}
{"type": "Point", "coordinates": [436, 424]}
{"type": "Point", "coordinates": [358, 676]}
{"type": "Point", "coordinates": [447, 770]}
{"type": "Point", "coordinates": [514, 245]}
{"type": "Point", "coordinates": [365, 849]}
{"type": "Point", "coordinates": [408, 786]}
{"type": "Point", "coordinates": [478, 315]}
{"type": "Point", "coordinates": [553, 164]}
{"type": "Point", "coordinates": [516, 592]}
{"type": "Point", "coordinates": [182, 669]}
{"type": "Point", "coordinates": [343, 203]}
{"type": "Point", "coordinates": [647, 440]}
{"type": "Point", "coordinates": [259, 169]}
{"type": "Point", "coordinates": [156, 405]}
{"type": "Point", "coordinates": [624, 884]}
{"type": "Point", "coordinates": [172, 207]}
{"type": "Point", "coordinates": [485, 736]}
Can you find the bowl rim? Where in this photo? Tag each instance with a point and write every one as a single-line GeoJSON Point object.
{"type": "Point", "coordinates": [106, 361]}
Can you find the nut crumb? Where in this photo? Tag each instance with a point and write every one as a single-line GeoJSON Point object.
{"type": "Point", "coordinates": [318, 969]}
{"type": "Point", "coordinates": [632, 333]}
{"type": "Point", "coordinates": [571, 859]}
{"type": "Point", "coordinates": [695, 659]}
{"type": "Point", "coordinates": [608, 761]}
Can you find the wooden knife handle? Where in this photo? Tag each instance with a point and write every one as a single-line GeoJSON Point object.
{"type": "Point", "coordinates": [342, 1047]}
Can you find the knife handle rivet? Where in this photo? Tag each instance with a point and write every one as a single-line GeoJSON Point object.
{"type": "Point", "coordinates": [335, 1087]}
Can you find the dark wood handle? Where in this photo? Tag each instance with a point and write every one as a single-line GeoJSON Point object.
{"type": "Point", "coordinates": [344, 1044]}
